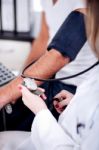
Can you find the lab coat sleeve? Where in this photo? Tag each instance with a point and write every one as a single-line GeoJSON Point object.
{"type": "Point", "coordinates": [47, 134]}
{"type": "Point", "coordinates": [91, 141]}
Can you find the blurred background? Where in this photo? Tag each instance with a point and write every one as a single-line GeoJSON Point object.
{"type": "Point", "coordinates": [19, 26]}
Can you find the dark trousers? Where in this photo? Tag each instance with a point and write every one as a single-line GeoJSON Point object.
{"type": "Point", "coordinates": [21, 117]}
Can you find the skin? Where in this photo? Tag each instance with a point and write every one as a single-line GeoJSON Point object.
{"type": "Point", "coordinates": [36, 103]}
{"type": "Point", "coordinates": [10, 92]}
{"type": "Point", "coordinates": [65, 97]}
{"type": "Point", "coordinates": [39, 46]}
{"type": "Point", "coordinates": [39, 69]}
{"type": "Point", "coordinates": [39, 104]}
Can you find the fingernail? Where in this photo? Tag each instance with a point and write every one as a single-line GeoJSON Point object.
{"type": "Point", "coordinates": [20, 88]}
{"type": "Point", "coordinates": [56, 105]}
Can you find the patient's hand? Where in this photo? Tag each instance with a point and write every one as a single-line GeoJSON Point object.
{"type": "Point", "coordinates": [33, 102]}
{"type": "Point", "coordinates": [10, 92]}
{"type": "Point", "coordinates": [61, 100]}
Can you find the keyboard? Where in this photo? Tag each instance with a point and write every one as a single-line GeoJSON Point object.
{"type": "Point", "coordinates": [5, 75]}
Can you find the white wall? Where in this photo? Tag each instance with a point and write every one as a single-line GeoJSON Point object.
{"type": "Point", "coordinates": [14, 53]}
{"type": "Point", "coordinates": [35, 16]}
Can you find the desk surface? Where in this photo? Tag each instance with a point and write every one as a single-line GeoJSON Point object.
{"type": "Point", "coordinates": [16, 36]}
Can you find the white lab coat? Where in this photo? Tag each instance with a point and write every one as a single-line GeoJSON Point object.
{"type": "Point", "coordinates": [78, 127]}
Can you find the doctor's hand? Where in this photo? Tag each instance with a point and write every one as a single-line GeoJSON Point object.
{"type": "Point", "coordinates": [33, 102]}
{"type": "Point", "coordinates": [61, 100]}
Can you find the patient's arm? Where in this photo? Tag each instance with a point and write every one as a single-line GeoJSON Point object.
{"type": "Point", "coordinates": [45, 67]}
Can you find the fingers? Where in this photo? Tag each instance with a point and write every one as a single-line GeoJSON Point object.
{"type": "Point", "coordinates": [60, 106]}
{"type": "Point", "coordinates": [60, 101]}
{"type": "Point", "coordinates": [56, 106]}
{"type": "Point", "coordinates": [23, 89]}
{"type": "Point", "coordinates": [43, 96]}
{"type": "Point", "coordinates": [32, 101]}
{"type": "Point", "coordinates": [62, 94]}
{"type": "Point", "coordinates": [26, 92]}
{"type": "Point", "coordinates": [43, 90]}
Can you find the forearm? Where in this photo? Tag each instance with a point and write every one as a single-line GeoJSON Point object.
{"type": "Point", "coordinates": [39, 47]}
{"type": "Point", "coordinates": [44, 68]}
{"type": "Point", "coordinates": [10, 92]}
{"type": "Point", "coordinates": [47, 65]}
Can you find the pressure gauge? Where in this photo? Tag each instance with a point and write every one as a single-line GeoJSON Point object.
{"type": "Point", "coordinates": [32, 86]}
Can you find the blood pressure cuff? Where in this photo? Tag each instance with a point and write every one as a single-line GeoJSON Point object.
{"type": "Point", "coordinates": [71, 36]}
